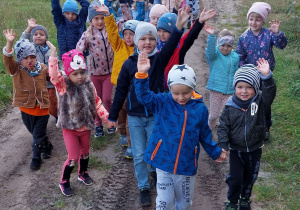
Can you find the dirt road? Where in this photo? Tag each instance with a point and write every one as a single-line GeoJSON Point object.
{"type": "Point", "coordinates": [115, 188]}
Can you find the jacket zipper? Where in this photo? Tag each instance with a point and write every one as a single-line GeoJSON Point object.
{"type": "Point", "coordinates": [156, 149]}
{"type": "Point", "coordinates": [245, 114]}
{"type": "Point", "coordinates": [107, 59]}
{"type": "Point", "coordinates": [195, 155]}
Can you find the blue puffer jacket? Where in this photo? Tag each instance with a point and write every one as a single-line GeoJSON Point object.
{"type": "Point", "coordinates": [68, 33]}
{"type": "Point", "coordinates": [174, 144]}
{"type": "Point", "coordinates": [221, 67]}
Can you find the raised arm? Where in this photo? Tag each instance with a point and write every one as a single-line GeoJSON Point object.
{"type": "Point", "coordinates": [84, 9]}
{"type": "Point", "coordinates": [8, 59]}
{"type": "Point", "coordinates": [58, 17]}
{"type": "Point", "coordinates": [278, 37]}
{"type": "Point", "coordinates": [210, 51]}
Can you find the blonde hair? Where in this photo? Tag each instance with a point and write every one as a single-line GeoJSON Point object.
{"type": "Point", "coordinates": [226, 32]}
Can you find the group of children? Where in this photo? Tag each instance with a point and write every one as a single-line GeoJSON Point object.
{"type": "Point", "coordinates": [160, 116]}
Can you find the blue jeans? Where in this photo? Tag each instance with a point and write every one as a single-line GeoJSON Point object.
{"type": "Point", "coordinates": [140, 129]}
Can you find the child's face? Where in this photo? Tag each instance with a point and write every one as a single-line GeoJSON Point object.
{"type": "Point", "coordinates": [244, 91]}
{"type": "Point", "coordinates": [29, 62]}
{"type": "Point", "coordinates": [71, 16]}
{"type": "Point", "coordinates": [128, 37]}
{"type": "Point", "coordinates": [225, 49]}
{"type": "Point", "coordinates": [78, 76]}
{"type": "Point", "coordinates": [181, 93]}
{"type": "Point", "coordinates": [147, 43]}
{"type": "Point", "coordinates": [163, 35]}
{"type": "Point", "coordinates": [98, 22]}
{"type": "Point", "coordinates": [154, 20]}
{"type": "Point", "coordinates": [39, 37]}
{"type": "Point", "coordinates": [255, 23]}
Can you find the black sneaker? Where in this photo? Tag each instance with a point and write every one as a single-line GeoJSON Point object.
{"type": "Point", "coordinates": [48, 150]}
{"type": "Point", "coordinates": [85, 178]}
{"type": "Point", "coordinates": [35, 164]}
{"type": "Point", "coordinates": [145, 197]}
{"type": "Point", "coordinates": [99, 131]}
{"type": "Point", "coordinates": [111, 130]}
{"type": "Point", "coordinates": [154, 177]}
{"type": "Point", "coordinates": [66, 188]}
{"type": "Point", "coordinates": [245, 204]}
{"type": "Point", "coordinates": [231, 206]}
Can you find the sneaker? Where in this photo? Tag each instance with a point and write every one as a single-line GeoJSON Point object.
{"type": "Point", "coordinates": [154, 177]}
{"type": "Point", "coordinates": [99, 131]}
{"type": "Point", "coordinates": [128, 153]}
{"type": "Point", "coordinates": [66, 188]}
{"type": "Point", "coordinates": [48, 150]}
{"type": "Point", "coordinates": [111, 130]}
{"type": "Point", "coordinates": [35, 164]}
{"type": "Point", "coordinates": [231, 206]}
{"type": "Point", "coordinates": [85, 178]}
{"type": "Point", "coordinates": [245, 204]}
{"type": "Point", "coordinates": [123, 141]}
{"type": "Point", "coordinates": [145, 197]}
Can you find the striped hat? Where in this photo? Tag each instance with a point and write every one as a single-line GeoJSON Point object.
{"type": "Point", "coordinates": [248, 73]}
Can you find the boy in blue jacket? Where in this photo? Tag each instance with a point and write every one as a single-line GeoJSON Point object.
{"type": "Point", "coordinates": [180, 126]}
{"type": "Point", "coordinates": [70, 23]}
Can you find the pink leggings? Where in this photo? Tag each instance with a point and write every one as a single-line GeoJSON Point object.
{"type": "Point", "coordinates": [217, 102]}
{"type": "Point", "coordinates": [77, 145]}
{"type": "Point", "coordinates": [104, 89]}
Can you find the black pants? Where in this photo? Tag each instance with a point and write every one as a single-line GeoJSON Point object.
{"type": "Point", "coordinates": [37, 126]}
{"type": "Point", "coordinates": [244, 167]}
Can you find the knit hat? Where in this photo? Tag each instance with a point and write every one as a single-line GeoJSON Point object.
{"type": "Point", "coordinates": [130, 25]}
{"type": "Point", "coordinates": [73, 60]}
{"type": "Point", "coordinates": [71, 6]}
{"type": "Point", "coordinates": [24, 48]}
{"type": "Point", "coordinates": [38, 27]}
{"type": "Point", "coordinates": [261, 8]}
{"type": "Point", "coordinates": [92, 12]}
{"type": "Point", "coordinates": [182, 74]}
{"type": "Point", "coordinates": [158, 10]}
{"type": "Point", "coordinates": [248, 73]}
{"type": "Point", "coordinates": [144, 28]}
{"type": "Point", "coordinates": [167, 22]}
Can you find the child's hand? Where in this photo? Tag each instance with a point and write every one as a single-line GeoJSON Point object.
{"type": "Point", "coordinates": [178, 4]}
{"type": "Point", "coordinates": [143, 64]}
{"type": "Point", "coordinates": [10, 36]}
{"type": "Point", "coordinates": [52, 48]}
{"type": "Point", "coordinates": [111, 124]}
{"type": "Point", "coordinates": [31, 24]}
{"type": "Point", "coordinates": [104, 9]}
{"type": "Point", "coordinates": [222, 157]}
{"type": "Point", "coordinates": [183, 16]}
{"type": "Point", "coordinates": [206, 15]}
{"type": "Point", "coordinates": [209, 29]}
{"type": "Point", "coordinates": [263, 66]}
{"type": "Point", "coordinates": [274, 26]}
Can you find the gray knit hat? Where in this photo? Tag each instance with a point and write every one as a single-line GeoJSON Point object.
{"type": "Point", "coordinates": [144, 28]}
{"type": "Point", "coordinates": [92, 12]}
{"type": "Point", "coordinates": [182, 74]}
{"type": "Point", "coordinates": [38, 27]}
{"type": "Point", "coordinates": [24, 48]}
{"type": "Point", "coordinates": [247, 73]}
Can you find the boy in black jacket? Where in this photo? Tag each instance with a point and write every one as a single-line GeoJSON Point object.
{"type": "Point", "coordinates": [242, 129]}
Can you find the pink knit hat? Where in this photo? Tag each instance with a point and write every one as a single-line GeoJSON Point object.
{"type": "Point", "coordinates": [261, 8]}
{"type": "Point", "coordinates": [158, 10]}
{"type": "Point", "coordinates": [73, 60]}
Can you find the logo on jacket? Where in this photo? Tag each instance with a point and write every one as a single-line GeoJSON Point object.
{"type": "Point", "coordinates": [254, 108]}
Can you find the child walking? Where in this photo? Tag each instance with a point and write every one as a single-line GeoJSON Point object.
{"type": "Point", "coordinates": [257, 42]}
{"type": "Point", "coordinates": [140, 119]}
{"type": "Point", "coordinates": [223, 63]}
{"type": "Point", "coordinates": [69, 22]}
{"type": "Point", "coordinates": [101, 59]}
{"type": "Point", "coordinates": [180, 126]}
{"type": "Point", "coordinates": [30, 93]}
{"type": "Point", "coordinates": [78, 106]}
{"type": "Point", "coordinates": [242, 129]}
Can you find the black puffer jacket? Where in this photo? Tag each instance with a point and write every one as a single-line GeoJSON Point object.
{"type": "Point", "coordinates": [244, 130]}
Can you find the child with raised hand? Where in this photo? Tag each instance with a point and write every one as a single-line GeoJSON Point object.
{"type": "Point", "coordinates": [30, 92]}
{"type": "Point", "coordinates": [223, 63]}
{"type": "Point", "coordinates": [257, 42]}
{"type": "Point", "coordinates": [38, 35]}
{"type": "Point", "coordinates": [122, 48]}
{"type": "Point", "coordinates": [95, 39]}
{"type": "Point", "coordinates": [242, 129]}
{"type": "Point", "coordinates": [140, 119]}
{"type": "Point", "coordinates": [69, 22]}
{"type": "Point", "coordinates": [78, 106]}
{"type": "Point", "coordinates": [180, 126]}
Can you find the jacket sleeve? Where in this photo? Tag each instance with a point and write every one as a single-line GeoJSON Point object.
{"type": "Point", "coordinates": [9, 62]}
{"type": "Point", "coordinates": [56, 77]}
{"type": "Point", "coordinates": [82, 42]}
{"type": "Point", "coordinates": [210, 147]}
{"type": "Point", "coordinates": [58, 17]}
{"type": "Point", "coordinates": [25, 35]}
{"type": "Point", "coordinates": [224, 129]}
{"type": "Point", "coordinates": [268, 89]}
{"type": "Point", "coordinates": [140, 11]}
{"type": "Point", "coordinates": [84, 9]}
{"type": "Point", "coordinates": [101, 111]}
{"type": "Point", "coordinates": [279, 40]}
{"type": "Point", "coordinates": [113, 33]}
{"type": "Point", "coordinates": [210, 51]}
{"type": "Point", "coordinates": [241, 51]}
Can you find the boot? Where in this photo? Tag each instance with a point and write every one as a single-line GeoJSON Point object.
{"type": "Point", "coordinates": [36, 161]}
{"type": "Point", "coordinates": [47, 150]}
{"type": "Point", "coordinates": [154, 177]}
{"type": "Point", "coordinates": [83, 175]}
{"type": "Point", "coordinates": [65, 184]}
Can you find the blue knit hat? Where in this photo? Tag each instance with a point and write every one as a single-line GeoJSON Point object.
{"type": "Point", "coordinates": [38, 27]}
{"type": "Point", "coordinates": [92, 11]}
{"type": "Point", "coordinates": [24, 48]}
{"type": "Point", "coordinates": [167, 22]}
{"type": "Point", "coordinates": [130, 25]}
{"type": "Point", "coordinates": [71, 6]}
{"type": "Point", "coordinates": [247, 73]}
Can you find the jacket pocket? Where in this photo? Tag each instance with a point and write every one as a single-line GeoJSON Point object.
{"type": "Point", "coordinates": [22, 96]}
{"type": "Point", "coordinates": [156, 149]}
{"type": "Point", "coordinates": [43, 97]}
